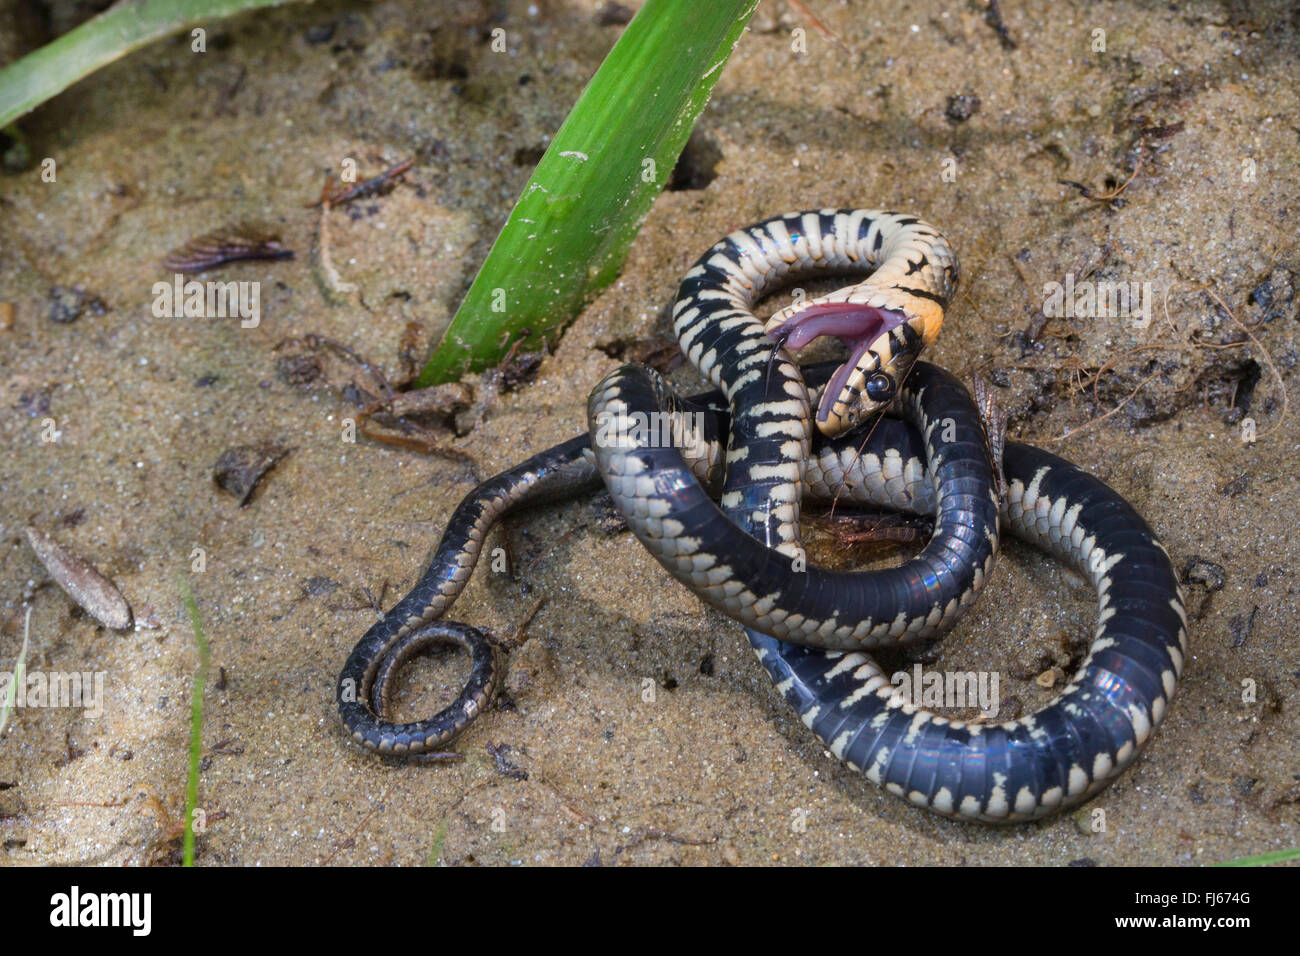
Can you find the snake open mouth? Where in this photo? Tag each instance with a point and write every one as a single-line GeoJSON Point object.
{"type": "Point", "coordinates": [858, 327]}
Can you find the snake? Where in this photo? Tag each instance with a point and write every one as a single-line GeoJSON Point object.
{"type": "Point", "coordinates": [745, 558]}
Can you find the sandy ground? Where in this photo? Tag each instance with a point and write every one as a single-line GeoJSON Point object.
{"type": "Point", "coordinates": [580, 766]}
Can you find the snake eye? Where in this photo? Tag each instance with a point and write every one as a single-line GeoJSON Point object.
{"type": "Point", "coordinates": [880, 387]}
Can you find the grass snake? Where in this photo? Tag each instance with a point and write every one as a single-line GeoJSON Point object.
{"type": "Point", "coordinates": [751, 447]}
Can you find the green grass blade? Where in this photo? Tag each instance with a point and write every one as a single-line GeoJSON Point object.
{"type": "Point", "coordinates": [196, 720]}
{"type": "Point", "coordinates": [571, 228]}
{"type": "Point", "coordinates": [439, 838]}
{"type": "Point", "coordinates": [1264, 859]}
{"type": "Point", "coordinates": [126, 26]}
{"type": "Point", "coordinates": [19, 675]}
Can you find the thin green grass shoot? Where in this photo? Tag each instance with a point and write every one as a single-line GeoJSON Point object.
{"type": "Point", "coordinates": [196, 720]}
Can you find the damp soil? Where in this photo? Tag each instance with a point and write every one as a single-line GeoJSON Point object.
{"type": "Point", "coordinates": [637, 727]}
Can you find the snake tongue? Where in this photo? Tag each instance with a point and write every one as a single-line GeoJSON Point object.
{"type": "Point", "coordinates": [857, 326]}
{"type": "Point", "coordinates": [850, 323]}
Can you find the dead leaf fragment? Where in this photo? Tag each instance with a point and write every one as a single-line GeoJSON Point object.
{"type": "Point", "coordinates": [96, 594]}
{"type": "Point", "coordinates": [239, 469]}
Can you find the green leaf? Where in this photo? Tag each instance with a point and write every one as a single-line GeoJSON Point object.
{"type": "Point", "coordinates": [126, 26]}
{"type": "Point", "coordinates": [571, 229]}
{"type": "Point", "coordinates": [1264, 859]}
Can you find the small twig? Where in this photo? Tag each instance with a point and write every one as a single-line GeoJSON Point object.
{"type": "Point", "coordinates": [514, 642]}
{"type": "Point", "coordinates": [350, 839]}
{"type": "Point", "coordinates": [1087, 193]}
{"type": "Point", "coordinates": [565, 800]}
{"type": "Point", "coordinates": [1101, 418]}
{"type": "Point", "coordinates": [1039, 321]}
{"type": "Point", "coordinates": [1268, 359]}
{"type": "Point", "coordinates": [821, 28]}
{"type": "Point", "coordinates": [1096, 379]}
{"type": "Point", "coordinates": [653, 833]}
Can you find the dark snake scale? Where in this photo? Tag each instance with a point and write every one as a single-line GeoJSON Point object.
{"type": "Point", "coordinates": [811, 627]}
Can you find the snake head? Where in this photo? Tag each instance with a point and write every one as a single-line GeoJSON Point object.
{"type": "Point", "coordinates": [883, 343]}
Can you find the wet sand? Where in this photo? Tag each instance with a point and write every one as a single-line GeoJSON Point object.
{"type": "Point", "coordinates": [580, 766]}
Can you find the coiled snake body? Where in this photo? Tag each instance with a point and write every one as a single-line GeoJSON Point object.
{"type": "Point", "coordinates": [745, 559]}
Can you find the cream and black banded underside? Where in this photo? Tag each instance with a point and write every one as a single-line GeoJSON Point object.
{"type": "Point", "coordinates": [989, 771]}
{"type": "Point", "coordinates": [1009, 771]}
{"type": "Point", "coordinates": [674, 516]}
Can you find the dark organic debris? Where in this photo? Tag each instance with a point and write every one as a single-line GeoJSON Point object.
{"type": "Point", "coordinates": [614, 14]}
{"type": "Point", "coordinates": [961, 107]}
{"type": "Point", "coordinates": [411, 351]}
{"type": "Point", "coordinates": [69, 303]}
{"type": "Point", "coordinates": [1113, 188]}
{"type": "Point", "coordinates": [318, 585]}
{"type": "Point", "coordinates": [239, 470]}
{"type": "Point", "coordinates": [36, 402]}
{"type": "Point", "coordinates": [1241, 626]}
{"type": "Point", "coordinates": [500, 754]}
{"type": "Point", "coordinates": [298, 368]}
{"type": "Point", "coordinates": [218, 248]}
{"type": "Point", "coordinates": [93, 592]}
{"type": "Point", "coordinates": [1162, 131]}
{"type": "Point", "coordinates": [1206, 573]}
{"type": "Point", "coordinates": [518, 369]}
{"type": "Point", "coordinates": [1272, 298]}
{"type": "Point", "coordinates": [367, 187]}
{"type": "Point", "coordinates": [607, 519]}
{"type": "Point", "coordinates": [1206, 576]}
{"type": "Point", "coordinates": [1236, 486]}
{"type": "Point", "coordinates": [993, 17]}
{"type": "Point", "coordinates": [436, 403]}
